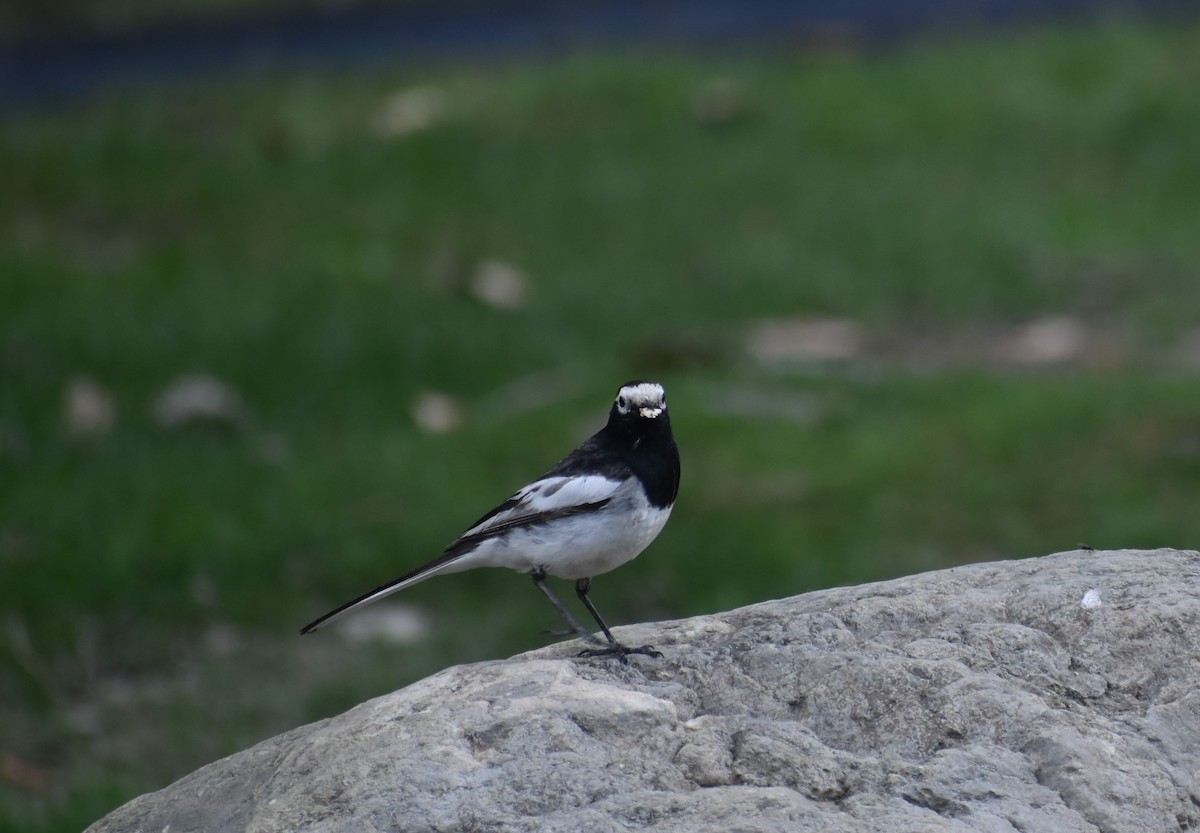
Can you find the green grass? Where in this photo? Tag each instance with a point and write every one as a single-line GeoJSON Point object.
{"type": "Point", "coordinates": [152, 581]}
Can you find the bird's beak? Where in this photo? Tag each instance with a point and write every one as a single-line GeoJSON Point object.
{"type": "Point", "coordinates": [650, 413]}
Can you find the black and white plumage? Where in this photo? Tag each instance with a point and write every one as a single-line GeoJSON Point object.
{"type": "Point", "coordinates": [597, 509]}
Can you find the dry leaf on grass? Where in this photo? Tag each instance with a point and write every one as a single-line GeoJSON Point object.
{"type": "Point", "coordinates": [24, 774]}
{"type": "Point", "coordinates": [409, 111]}
{"type": "Point", "coordinates": [499, 285]}
{"type": "Point", "coordinates": [437, 413]}
{"type": "Point", "coordinates": [197, 398]}
{"type": "Point", "coordinates": [798, 340]}
{"type": "Point", "coordinates": [1055, 340]}
{"type": "Point", "coordinates": [395, 623]}
{"type": "Point", "coordinates": [89, 410]}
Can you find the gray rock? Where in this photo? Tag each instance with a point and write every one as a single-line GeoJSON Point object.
{"type": "Point", "coordinates": [1053, 694]}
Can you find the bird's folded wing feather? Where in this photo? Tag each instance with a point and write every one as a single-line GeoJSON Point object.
{"type": "Point", "coordinates": [542, 501]}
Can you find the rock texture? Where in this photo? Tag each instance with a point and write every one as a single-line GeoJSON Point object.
{"type": "Point", "coordinates": [1054, 694]}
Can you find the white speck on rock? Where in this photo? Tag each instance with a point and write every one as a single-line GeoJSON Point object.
{"type": "Point", "coordinates": [1091, 599]}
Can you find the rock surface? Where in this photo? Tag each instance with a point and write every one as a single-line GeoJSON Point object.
{"type": "Point", "coordinates": [1053, 694]}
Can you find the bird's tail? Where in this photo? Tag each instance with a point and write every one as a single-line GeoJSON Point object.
{"type": "Point", "coordinates": [445, 563]}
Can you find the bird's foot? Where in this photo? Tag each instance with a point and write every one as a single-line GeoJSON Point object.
{"type": "Point", "coordinates": [620, 651]}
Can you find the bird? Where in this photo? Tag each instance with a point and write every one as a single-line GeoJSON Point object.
{"type": "Point", "coordinates": [596, 509]}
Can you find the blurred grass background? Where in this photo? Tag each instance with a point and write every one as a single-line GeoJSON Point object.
{"type": "Point", "coordinates": [912, 308]}
{"type": "Point", "coordinates": [37, 18]}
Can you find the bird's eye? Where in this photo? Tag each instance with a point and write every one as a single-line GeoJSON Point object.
{"type": "Point", "coordinates": [621, 403]}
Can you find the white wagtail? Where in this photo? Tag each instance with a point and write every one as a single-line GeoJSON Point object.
{"type": "Point", "coordinates": [598, 508]}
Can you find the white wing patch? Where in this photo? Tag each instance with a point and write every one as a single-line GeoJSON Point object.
{"type": "Point", "coordinates": [548, 495]}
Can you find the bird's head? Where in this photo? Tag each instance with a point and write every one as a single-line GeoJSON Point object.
{"type": "Point", "coordinates": [640, 400]}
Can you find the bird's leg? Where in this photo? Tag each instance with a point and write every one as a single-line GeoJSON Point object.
{"type": "Point", "coordinates": [581, 589]}
{"type": "Point", "coordinates": [614, 648]}
{"type": "Point", "coordinates": [539, 578]}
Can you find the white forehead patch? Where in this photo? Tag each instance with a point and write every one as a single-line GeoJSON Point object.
{"type": "Point", "coordinates": [645, 396]}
